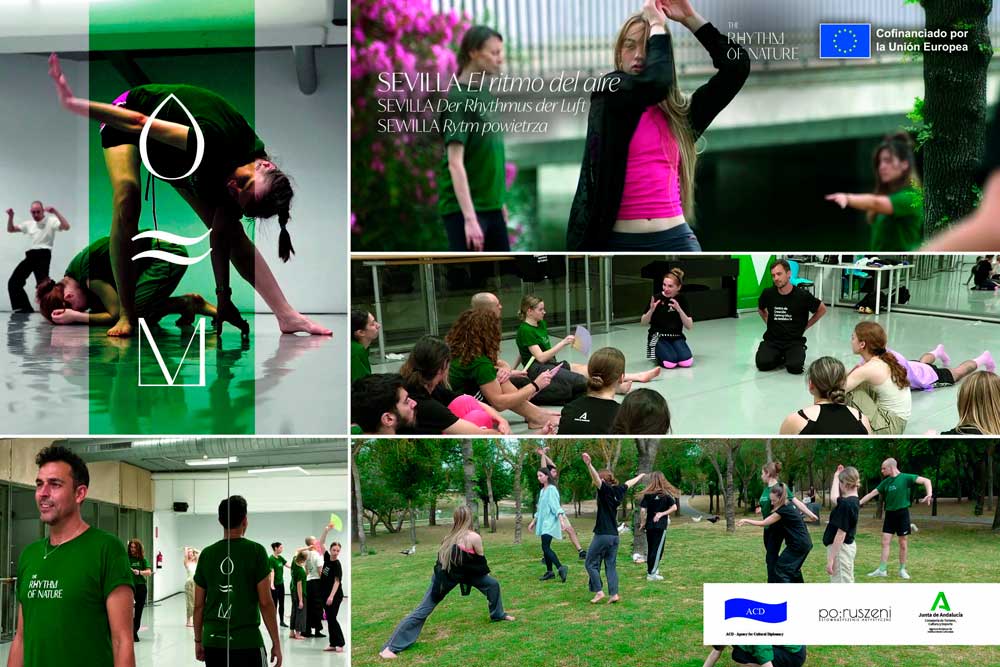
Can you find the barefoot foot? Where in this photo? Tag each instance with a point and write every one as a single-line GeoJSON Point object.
{"type": "Point", "coordinates": [121, 330]}
{"type": "Point", "coordinates": [597, 598]}
{"type": "Point", "coordinates": [387, 654]}
{"type": "Point", "coordinates": [297, 322]}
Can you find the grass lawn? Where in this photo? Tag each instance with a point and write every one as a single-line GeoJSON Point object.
{"type": "Point", "coordinates": [656, 624]}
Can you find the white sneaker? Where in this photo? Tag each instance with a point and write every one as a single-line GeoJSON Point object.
{"type": "Point", "coordinates": [878, 573]}
{"type": "Point", "coordinates": [654, 577]}
{"type": "Point", "coordinates": [903, 574]}
{"type": "Point", "coordinates": [913, 528]}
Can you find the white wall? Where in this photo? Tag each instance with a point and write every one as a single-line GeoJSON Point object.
{"type": "Point", "coordinates": [284, 508]}
{"type": "Point", "coordinates": [43, 155]}
{"type": "Point", "coordinates": [307, 134]}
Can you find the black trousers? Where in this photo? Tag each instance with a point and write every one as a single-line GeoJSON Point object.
{"type": "Point", "coordinates": [772, 354]}
{"type": "Point", "coordinates": [550, 556]}
{"type": "Point", "coordinates": [140, 604]}
{"type": "Point", "coordinates": [314, 606]}
{"type": "Point", "coordinates": [773, 538]}
{"type": "Point", "coordinates": [336, 634]}
{"type": "Point", "coordinates": [235, 657]}
{"type": "Point", "coordinates": [35, 261]}
{"type": "Point", "coordinates": [278, 595]}
{"type": "Point", "coordinates": [495, 238]}
{"type": "Point", "coordinates": [788, 567]}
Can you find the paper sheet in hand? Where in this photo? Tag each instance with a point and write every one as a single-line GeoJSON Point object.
{"type": "Point", "coordinates": [582, 342]}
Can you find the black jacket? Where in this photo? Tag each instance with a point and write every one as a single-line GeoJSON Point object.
{"type": "Point", "coordinates": [465, 569]}
{"type": "Point", "coordinates": [614, 117]}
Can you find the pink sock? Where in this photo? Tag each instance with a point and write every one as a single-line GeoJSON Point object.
{"type": "Point", "coordinates": [669, 364]}
{"type": "Point", "coordinates": [686, 363]}
{"type": "Point", "coordinates": [986, 361]}
{"type": "Point", "coordinates": [941, 355]}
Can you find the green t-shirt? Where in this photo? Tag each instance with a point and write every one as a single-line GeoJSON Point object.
{"type": "Point", "coordinates": [229, 571]}
{"type": "Point", "coordinates": [765, 502]}
{"type": "Point", "coordinates": [92, 263]}
{"type": "Point", "coordinates": [527, 336]}
{"type": "Point", "coordinates": [896, 490]}
{"type": "Point", "coordinates": [468, 378]}
{"type": "Point", "coordinates": [277, 565]}
{"type": "Point", "coordinates": [298, 574]}
{"type": "Point", "coordinates": [361, 365]}
{"type": "Point", "coordinates": [468, 121]}
{"type": "Point", "coordinates": [904, 229]}
{"type": "Point", "coordinates": [63, 594]}
{"type": "Point", "coordinates": [138, 564]}
{"type": "Point", "coordinates": [229, 140]}
{"type": "Point", "coordinates": [765, 653]}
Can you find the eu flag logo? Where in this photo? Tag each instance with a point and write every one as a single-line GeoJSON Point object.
{"type": "Point", "coordinates": [845, 40]}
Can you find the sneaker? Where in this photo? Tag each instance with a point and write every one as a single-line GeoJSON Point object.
{"type": "Point", "coordinates": [548, 575]}
{"type": "Point", "coordinates": [654, 577]}
{"type": "Point", "coordinates": [878, 573]}
{"type": "Point", "coordinates": [913, 528]}
{"type": "Point", "coordinates": [903, 574]}
{"type": "Point", "coordinates": [562, 573]}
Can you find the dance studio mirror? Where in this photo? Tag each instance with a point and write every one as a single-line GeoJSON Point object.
{"type": "Point", "coordinates": [159, 501]}
{"type": "Point", "coordinates": [729, 342]}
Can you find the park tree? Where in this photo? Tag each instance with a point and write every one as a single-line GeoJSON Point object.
{"type": "Point", "coordinates": [357, 505]}
{"type": "Point", "coordinates": [515, 452]}
{"type": "Point", "coordinates": [493, 478]}
{"type": "Point", "coordinates": [469, 475]}
{"type": "Point", "coordinates": [646, 449]}
{"type": "Point", "coordinates": [408, 467]}
{"type": "Point", "coordinates": [953, 111]}
{"type": "Point", "coordinates": [722, 454]}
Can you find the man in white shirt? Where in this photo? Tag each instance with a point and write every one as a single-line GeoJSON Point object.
{"type": "Point", "coordinates": [42, 228]}
{"type": "Point", "coordinates": [314, 568]}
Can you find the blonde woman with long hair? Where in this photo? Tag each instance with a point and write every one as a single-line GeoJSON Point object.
{"type": "Point", "coordinates": [978, 405]}
{"type": "Point", "coordinates": [460, 561]}
{"type": "Point", "coordinates": [659, 501]}
{"type": "Point", "coordinates": [636, 188]}
{"type": "Point", "coordinates": [190, 565]}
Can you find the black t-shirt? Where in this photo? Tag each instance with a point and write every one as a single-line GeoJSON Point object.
{"type": "Point", "coordinates": [433, 415]}
{"type": "Point", "coordinates": [796, 534]}
{"type": "Point", "coordinates": [331, 570]}
{"type": "Point", "coordinates": [844, 517]}
{"type": "Point", "coordinates": [787, 314]}
{"type": "Point", "coordinates": [665, 320]}
{"type": "Point", "coordinates": [963, 430]}
{"type": "Point", "coordinates": [655, 504]}
{"type": "Point", "coordinates": [588, 415]}
{"type": "Point", "coordinates": [983, 271]}
{"type": "Point", "coordinates": [608, 499]}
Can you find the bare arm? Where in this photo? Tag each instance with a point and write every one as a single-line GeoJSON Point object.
{"type": "Point", "coordinates": [16, 656]}
{"type": "Point", "coordinates": [927, 487]}
{"type": "Point", "coordinates": [463, 193]}
{"type": "Point", "coordinates": [119, 606]}
{"type": "Point", "coordinates": [713, 658]}
{"type": "Point", "coordinates": [549, 354]}
{"type": "Point", "coordinates": [594, 477]}
{"type": "Point", "coordinates": [635, 480]}
{"type": "Point", "coordinates": [199, 612]}
{"type": "Point", "coordinates": [792, 425]}
{"type": "Point", "coordinates": [322, 537]}
{"type": "Point", "coordinates": [831, 558]}
{"type": "Point", "coordinates": [868, 496]}
{"type": "Point", "coordinates": [835, 486]}
{"type": "Point", "coordinates": [772, 518]}
{"type": "Point", "coordinates": [266, 604]}
{"type": "Point", "coordinates": [63, 222]}
{"type": "Point", "coordinates": [801, 506]}
{"type": "Point", "coordinates": [862, 202]}
{"type": "Point", "coordinates": [10, 223]}
{"type": "Point", "coordinates": [502, 400]}
{"type": "Point", "coordinates": [857, 377]}
{"type": "Point", "coordinates": [763, 314]}
{"type": "Point", "coordinates": [820, 312]}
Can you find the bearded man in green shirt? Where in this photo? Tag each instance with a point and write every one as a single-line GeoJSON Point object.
{"type": "Point", "coordinates": [76, 582]}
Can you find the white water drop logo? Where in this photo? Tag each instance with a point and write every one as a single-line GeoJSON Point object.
{"type": "Point", "coordinates": [144, 138]}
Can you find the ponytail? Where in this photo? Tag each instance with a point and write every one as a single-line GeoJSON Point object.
{"type": "Point", "coordinates": [285, 249]}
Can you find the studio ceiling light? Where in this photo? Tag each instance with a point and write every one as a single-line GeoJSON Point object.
{"type": "Point", "coordinates": [212, 462]}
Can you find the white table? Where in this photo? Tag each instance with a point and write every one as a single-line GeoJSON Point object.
{"type": "Point", "coordinates": [891, 270]}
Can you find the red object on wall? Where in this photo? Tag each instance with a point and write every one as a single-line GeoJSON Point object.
{"type": "Point", "coordinates": [159, 560]}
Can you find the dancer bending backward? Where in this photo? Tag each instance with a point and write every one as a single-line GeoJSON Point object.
{"type": "Point", "coordinates": [545, 524]}
{"type": "Point", "coordinates": [636, 188]}
{"type": "Point", "coordinates": [549, 465]}
{"type": "Point", "coordinates": [659, 501]}
{"type": "Point", "coordinates": [785, 310]}
{"type": "Point", "coordinates": [838, 538]}
{"type": "Point", "coordinates": [473, 175]}
{"type": "Point", "coordinates": [474, 340]}
{"type": "Point", "coordinates": [878, 386]}
{"type": "Point", "coordinates": [539, 355]}
{"type": "Point", "coordinates": [235, 179]}
{"type": "Point", "coordinates": [439, 409]}
{"type": "Point", "coordinates": [667, 318]}
{"type": "Point", "coordinates": [774, 535]}
{"type": "Point", "coordinates": [595, 413]}
{"type": "Point", "coordinates": [895, 210]}
{"type": "Point", "coordinates": [924, 374]}
{"type": "Point", "coordinates": [798, 544]}
{"type": "Point", "coordinates": [461, 561]}
{"type": "Point", "coordinates": [761, 656]}
{"type": "Point", "coordinates": [89, 294]}
{"type": "Point", "coordinates": [829, 414]}
{"type": "Point", "coordinates": [604, 548]}
{"type": "Point", "coordinates": [895, 490]}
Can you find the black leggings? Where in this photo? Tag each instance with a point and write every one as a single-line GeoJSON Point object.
{"type": "Point", "coordinates": [278, 596]}
{"type": "Point", "coordinates": [336, 634]}
{"type": "Point", "coordinates": [772, 547]}
{"type": "Point", "coordinates": [140, 603]}
{"type": "Point", "coordinates": [788, 567]}
{"type": "Point", "coordinates": [550, 556]}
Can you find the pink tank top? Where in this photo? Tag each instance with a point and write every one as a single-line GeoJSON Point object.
{"type": "Point", "coordinates": [652, 180]}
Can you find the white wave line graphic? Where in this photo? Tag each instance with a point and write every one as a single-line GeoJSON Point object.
{"type": "Point", "coordinates": [170, 257]}
{"type": "Point", "coordinates": [171, 238]}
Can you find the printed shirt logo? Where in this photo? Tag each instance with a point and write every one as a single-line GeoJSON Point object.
{"type": "Point", "coordinates": [44, 589]}
{"type": "Point", "coordinates": [583, 418]}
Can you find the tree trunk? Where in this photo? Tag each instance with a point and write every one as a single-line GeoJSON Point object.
{"type": "Point", "coordinates": [989, 476]}
{"type": "Point", "coordinates": [730, 491]}
{"type": "Point", "coordinates": [469, 470]}
{"type": "Point", "coordinates": [432, 512]}
{"type": "Point", "coordinates": [413, 522]}
{"type": "Point", "coordinates": [954, 110]}
{"type": "Point", "coordinates": [517, 492]}
{"type": "Point", "coordinates": [996, 518]}
{"type": "Point", "coordinates": [358, 507]}
{"type": "Point", "coordinates": [489, 492]}
{"type": "Point", "coordinates": [647, 450]}
{"type": "Point", "coordinates": [768, 450]}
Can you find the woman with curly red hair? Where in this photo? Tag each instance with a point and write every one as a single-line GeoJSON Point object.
{"type": "Point", "coordinates": [474, 341]}
{"type": "Point", "coordinates": [878, 386]}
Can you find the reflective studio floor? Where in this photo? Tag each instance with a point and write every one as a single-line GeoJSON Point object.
{"type": "Point", "coordinates": [724, 393]}
{"type": "Point", "coordinates": [165, 641]}
{"type": "Point", "coordinates": [76, 380]}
